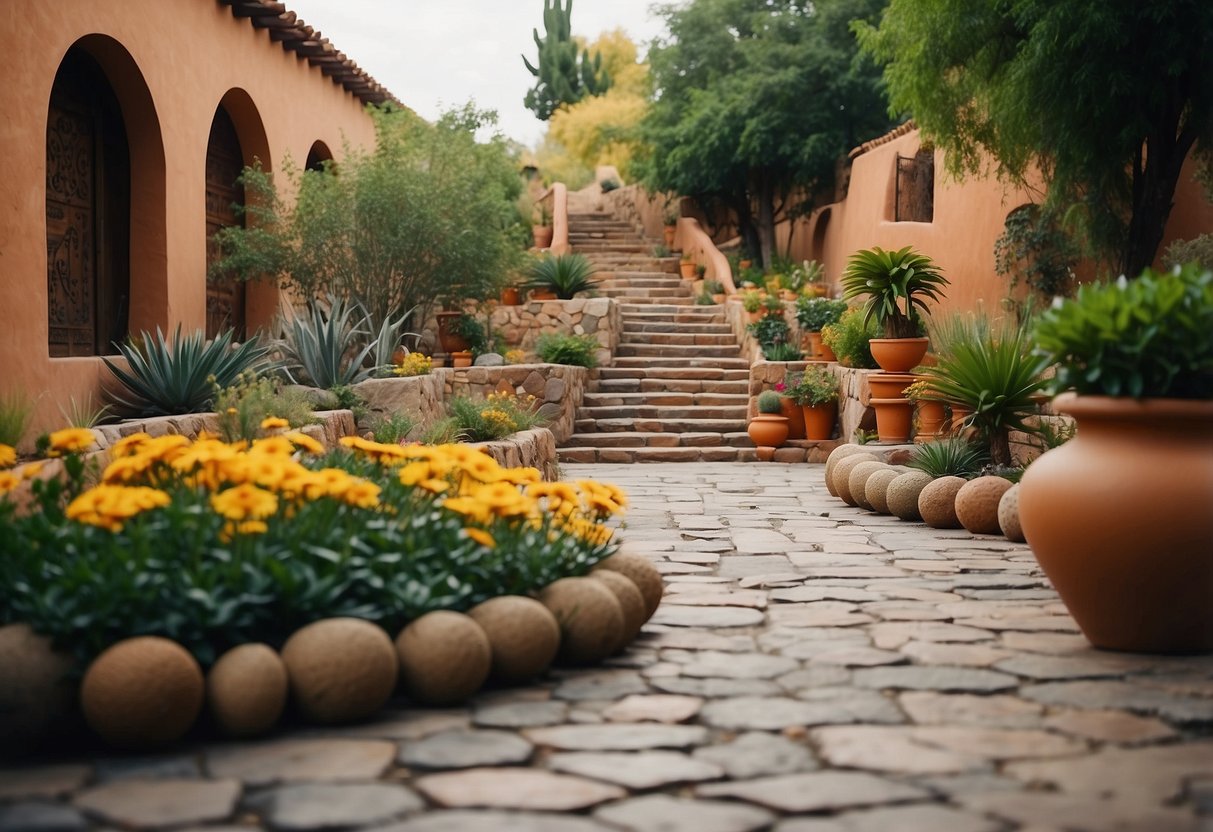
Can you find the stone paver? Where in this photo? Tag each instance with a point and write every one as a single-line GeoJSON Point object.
{"type": "Point", "coordinates": [812, 668]}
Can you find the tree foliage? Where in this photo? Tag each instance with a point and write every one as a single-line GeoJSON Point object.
{"type": "Point", "coordinates": [566, 73]}
{"type": "Point", "coordinates": [755, 101]}
{"type": "Point", "coordinates": [429, 215]}
{"type": "Point", "coordinates": [1105, 99]}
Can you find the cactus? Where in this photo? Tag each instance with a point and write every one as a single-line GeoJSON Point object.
{"type": "Point", "coordinates": [564, 75]}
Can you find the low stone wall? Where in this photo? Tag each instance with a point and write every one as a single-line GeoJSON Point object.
{"type": "Point", "coordinates": [529, 448]}
{"type": "Point", "coordinates": [739, 321]}
{"type": "Point", "coordinates": [332, 426]}
{"type": "Point", "coordinates": [854, 410]}
{"type": "Point", "coordinates": [419, 397]}
{"type": "Point", "coordinates": [519, 327]}
{"type": "Point", "coordinates": [558, 387]}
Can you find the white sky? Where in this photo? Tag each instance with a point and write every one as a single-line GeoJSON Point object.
{"type": "Point", "coordinates": [436, 53]}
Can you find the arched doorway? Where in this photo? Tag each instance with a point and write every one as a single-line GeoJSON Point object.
{"type": "Point", "coordinates": [317, 155]}
{"type": "Point", "coordinates": [225, 294]}
{"type": "Point", "coordinates": [88, 211]}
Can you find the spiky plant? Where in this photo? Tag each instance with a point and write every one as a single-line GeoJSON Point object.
{"type": "Point", "coordinates": [897, 285]}
{"type": "Point", "coordinates": [952, 457]}
{"type": "Point", "coordinates": [328, 344]}
{"type": "Point", "coordinates": [564, 274]}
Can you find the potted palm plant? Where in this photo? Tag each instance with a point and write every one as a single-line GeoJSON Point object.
{"type": "Point", "coordinates": [816, 391]}
{"type": "Point", "coordinates": [1119, 517]}
{"type": "Point", "coordinates": [897, 285]}
{"type": "Point", "coordinates": [561, 276]}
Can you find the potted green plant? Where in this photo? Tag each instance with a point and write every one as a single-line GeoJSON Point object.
{"type": "Point", "coordinates": [1119, 517]}
{"type": "Point", "coordinates": [813, 315]}
{"type": "Point", "coordinates": [670, 219]}
{"type": "Point", "coordinates": [897, 285]}
{"type": "Point", "coordinates": [772, 305]}
{"type": "Point", "coordinates": [849, 339]}
{"type": "Point", "coordinates": [816, 391]}
{"type": "Point", "coordinates": [768, 429]}
{"type": "Point", "coordinates": [751, 302]}
{"type": "Point", "coordinates": [686, 266]}
{"type": "Point", "coordinates": [715, 289]}
{"type": "Point", "coordinates": [561, 275]}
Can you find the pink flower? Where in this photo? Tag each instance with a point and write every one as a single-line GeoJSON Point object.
{"type": "Point", "coordinates": [780, 387]}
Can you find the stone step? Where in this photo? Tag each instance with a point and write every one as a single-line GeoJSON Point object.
{"type": "Point", "coordinates": [669, 385]}
{"type": "Point", "coordinates": [651, 293]}
{"type": "Point", "coordinates": [678, 351]}
{"type": "Point", "coordinates": [654, 280]}
{"type": "Point", "coordinates": [653, 411]}
{"type": "Point", "coordinates": [658, 312]}
{"type": "Point", "coordinates": [634, 439]}
{"type": "Point", "coordinates": [705, 372]}
{"type": "Point", "coordinates": [642, 455]}
{"type": "Point", "coordinates": [658, 425]}
{"type": "Point", "coordinates": [632, 324]}
{"type": "Point", "coordinates": [615, 245]}
{"type": "Point", "coordinates": [610, 399]}
{"type": "Point", "coordinates": [643, 300]}
{"type": "Point", "coordinates": [678, 338]}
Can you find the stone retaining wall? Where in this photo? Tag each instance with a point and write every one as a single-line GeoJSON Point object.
{"type": "Point", "coordinates": [420, 397]}
{"type": "Point", "coordinates": [529, 448]}
{"type": "Point", "coordinates": [519, 327]}
{"type": "Point", "coordinates": [559, 388]}
{"type": "Point", "coordinates": [332, 426]}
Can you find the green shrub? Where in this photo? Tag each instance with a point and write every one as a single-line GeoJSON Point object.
{"type": "Point", "coordinates": [769, 402]}
{"type": "Point", "coordinates": [166, 379]}
{"type": "Point", "coordinates": [243, 405]}
{"type": "Point", "coordinates": [751, 301]}
{"type": "Point", "coordinates": [1148, 337]}
{"type": "Point", "coordinates": [952, 457]}
{"type": "Point", "coordinates": [770, 330]}
{"type": "Point", "coordinates": [563, 348]}
{"type": "Point", "coordinates": [1198, 250]}
{"type": "Point", "coordinates": [815, 314]}
{"type": "Point", "coordinates": [564, 274]}
{"type": "Point", "coordinates": [170, 545]}
{"type": "Point", "coordinates": [713, 287]}
{"type": "Point", "coordinates": [83, 413]}
{"type": "Point", "coordinates": [849, 340]}
{"type": "Point", "coordinates": [494, 417]}
{"type": "Point", "coordinates": [783, 351]}
{"type": "Point", "coordinates": [444, 431]}
{"type": "Point", "coordinates": [393, 428]}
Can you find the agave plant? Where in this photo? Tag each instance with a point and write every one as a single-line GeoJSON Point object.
{"type": "Point", "coordinates": [328, 346]}
{"type": "Point", "coordinates": [897, 285]}
{"type": "Point", "coordinates": [951, 457]}
{"type": "Point", "coordinates": [991, 370]}
{"type": "Point", "coordinates": [165, 379]}
{"type": "Point", "coordinates": [564, 274]}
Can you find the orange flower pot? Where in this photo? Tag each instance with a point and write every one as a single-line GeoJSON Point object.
{"type": "Point", "coordinates": [542, 236]}
{"type": "Point", "coordinates": [889, 385]}
{"type": "Point", "coordinates": [511, 296]}
{"type": "Point", "coordinates": [795, 416]}
{"type": "Point", "coordinates": [461, 359]}
{"type": "Point", "coordinates": [931, 418]}
{"type": "Point", "coordinates": [893, 420]}
{"type": "Point", "coordinates": [898, 355]}
{"type": "Point", "coordinates": [768, 430]}
{"type": "Point", "coordinates": [687, 269]}
{"type": "Point", "coordinates": [819, 420]}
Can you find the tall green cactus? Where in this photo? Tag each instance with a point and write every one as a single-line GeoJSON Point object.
{"type": "Point", "coordinates": [565, 77]}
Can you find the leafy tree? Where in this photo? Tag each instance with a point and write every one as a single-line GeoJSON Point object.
{"type": "Point", "coordinates": [755, 101]}
{"type": "Point", "coordinates": [1105, 99]}
{"type": "Point", "coordinates": [428, 216]}
{"type": "Point", "coordinates": [565, 74]}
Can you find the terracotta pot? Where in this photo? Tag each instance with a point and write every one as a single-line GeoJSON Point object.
{"type": "Point", "coordinates": [451, 341]}
{"type": "Point", "coordinates": [668, 233]}
{"type": "Point", "coordinates": [814, 344]}
{"type": "Point", "coordinates": [1119, 518]}
{"type": "Point", "coordinates": [931, 417]}
{"type": "Point", "coordinates": [542, 294]}
{"type": "Point", "coordinates": [826, 353]}
{"type": "Point", "coordinates": [898, 355]}
{"type": "Point", "coordinates": [889, 385]}
{"type": "Point", "coordinates": [511, 296]}
{"type": "Point", "coordinates": [718, 298]}
{"type": "Point", "coordinates": [461, 359]}
{"type": "Point", "coordinates": [959, 414]}
{"type": "Point", "coordinates": [795, 416]}
{"type": "Point", "coordinates": [687, 270]}
{"type": "Point", "coordinates": [893, 420]}
{"type": "Point", "coordinates": [542, 235]}
{"type": "Point", "coordinates": [787, 294]}
{"type": "Point", "coordinates": [768, 429]}
{"type": "Point", "coordinates": [754, 317]}
{"type": "Point", "coordinates": [744, 264]}
{"type": "Point", "coordinates": [816, 290]}
{"type": "Point", "coordinates": [819, 420]}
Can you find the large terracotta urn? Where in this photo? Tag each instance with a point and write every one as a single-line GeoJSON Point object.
{"type": "Point", "coordinates": [542, 235]}
{"type": "Point", "coordinates": [768, 430]}
{"type": "Point", "coordinates": [1121, 520]}
{"type": "Point", "coordinates": [898, 355]}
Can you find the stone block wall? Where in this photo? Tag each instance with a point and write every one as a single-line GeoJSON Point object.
{"type": "Point", "coordinates": [558, 387]}
{"type": "Point", "coordinates": [529, 448]}
{"type": "Point", "coordinates": [417, 396]}
{"type": "Point", "coordinates": [519, 327]}
{"type": "Point", "coordinates": [739, 321]}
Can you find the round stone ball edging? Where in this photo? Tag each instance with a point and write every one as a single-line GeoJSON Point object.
{"type": "Point", "coordinates": [837, 455]}
{"type": "Point", "coordinates": [340, 669]}
{"type": "Point", "coordinates": [977, 504]}
{"type": "Point", "coordinates": [523, 634]}
{"type": "Point", "coordinates": [246, 690]}
{"type": "Point", "coordinates": [142, 693]}
{"type": "Point", "coordinates": [876, 490]}
{"type": "Point", "coordinates": [842, 474]}
{"type": "Point", "coordinates": [903, 492]}
{"type": "Point", "coordinates": [445, 657]}
{"type": "Point", "coordinates": [631, 604]}
{"type": "Point", "coordinates": [37, 696]}
{"type": "Point", "coordinates": [1008, 515]}
{"type": "Point", "coordinates": [857, 482]}
{"type": "Point", "coordinates": [937, 502]}
{"type": "Point", "coordinates": [590, 618]}
{"type": "Point", "coordinates": [642, 572]}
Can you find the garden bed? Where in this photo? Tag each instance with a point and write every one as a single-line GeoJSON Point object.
{"type": "Point", "coordinates": [519, 327]}
{"type": "Point", "coordinates": [557, 388]}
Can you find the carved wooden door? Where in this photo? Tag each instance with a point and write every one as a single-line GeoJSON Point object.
{"type": "Point", "coordinates": [87, 212]}
{"type": "Point", "coordinates": [224, 163]}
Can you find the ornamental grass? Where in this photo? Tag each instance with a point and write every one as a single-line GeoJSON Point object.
{"type": "Point", "coordinates": [216, 544]}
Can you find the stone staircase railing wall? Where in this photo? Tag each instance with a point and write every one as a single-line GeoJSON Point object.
{"type": "Point", "coordinates": [519, 327]}
{"type": "Point", "coordinates": [634, 204]}
{"type": "Point", "coordinates": [559, 389]}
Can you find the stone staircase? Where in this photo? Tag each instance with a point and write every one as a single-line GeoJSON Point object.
{"type": "Point", "coordinates": [678, 387]}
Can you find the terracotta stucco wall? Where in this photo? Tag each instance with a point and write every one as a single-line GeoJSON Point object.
{"type": "Point", "coordinates": [171, 63]}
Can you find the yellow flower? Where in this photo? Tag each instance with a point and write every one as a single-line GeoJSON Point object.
{"type": "Point", "coordinates": [273, 446]}
{"type": "Point", "coordinates": [32, 470]}
{"type": "Point", "coordinates": [415, 364]}
{"type": "Point", "coordinates": [8, 481]}
{"type": "Point", "coordinates": [362, 494]}
{"type": "Point", "coordinates": [244, 502]}
{"type": "Point", "coordinates": [482, 537]}
{"type": "Point", "coordinates": [128, 445]}
{"type": "Point", "coordinates": [274, 423]}
{"type": "Point", "coordinates": [108, 505]}
{"type": "Point", "coordinates": [468, 507]}
{"type": "Point", "coordinates": [302, 440]}
{"type": "Point", "coordinates": [329, 482]}
{"type": "Point", "coordinates": [231, 529]}
{"type": "Point", "coordinates": [71, 441]}
{"type": "Point", "coordinates": [8, 455]}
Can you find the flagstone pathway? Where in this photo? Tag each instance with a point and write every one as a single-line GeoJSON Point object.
{"type": "Point", "coordinates": [812, 668]}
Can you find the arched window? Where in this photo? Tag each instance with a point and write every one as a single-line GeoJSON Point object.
{"type": "Point", "coordinates": [225, 295]}
{"type": "Point", "coordinates": [317, 155]}
{"type": "Point", "coordinates": [88, 211]}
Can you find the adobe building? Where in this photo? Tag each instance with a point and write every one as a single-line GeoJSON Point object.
{"type": "Point", "coordinates": [126, 124]}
